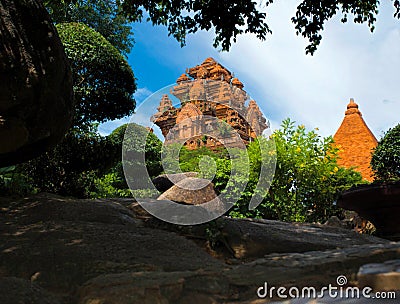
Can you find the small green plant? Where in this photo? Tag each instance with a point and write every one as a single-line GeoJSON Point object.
{"type": "Point", "coordinates": [307, 179]}
{"type": "Point", "coordinates": [189, 159]}
{"type": "Point", "coordinates": [214, 234]}
{"type": "Point", "coordinates": [145, 193]}
{"type": "Point", "coordinates": [109, 186]}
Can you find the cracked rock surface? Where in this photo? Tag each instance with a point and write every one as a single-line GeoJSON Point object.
{"type": "Point", "coordinates": [62, 250]}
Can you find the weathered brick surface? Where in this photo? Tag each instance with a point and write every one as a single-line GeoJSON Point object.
{"type": "Point", "coordinates": [208, 91]}
{"type": "Point", "coordinates": [356, 142]}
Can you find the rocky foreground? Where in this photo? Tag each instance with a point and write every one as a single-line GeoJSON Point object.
{"type": "Point", "coordinates": [60, 250]}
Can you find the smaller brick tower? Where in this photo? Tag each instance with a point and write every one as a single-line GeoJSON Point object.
{"type": "Point", "coordinates": [356, 142]}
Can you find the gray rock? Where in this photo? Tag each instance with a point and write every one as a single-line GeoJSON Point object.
{"type": "Point", "coordinates": [69, 241]}
{"type": "Point", "coordinates": [17, 290]}
{"type": "Point", "coordinates": [191, 190]}
{"type": "Point", "coordinates": [254, 238]}
{"type": "Point", "coordinates": [165, 181]}
{"type": "Point", "coordinates": [334, 221]}
{"type": "Point", "coordinates": [155, 287]}
{"type": "Point", "coordinates": [86, 251]}
{"type": "Point", "coordinates": [380, 276]}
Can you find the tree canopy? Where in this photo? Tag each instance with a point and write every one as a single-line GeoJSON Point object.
{"type": "Point", "coordinates": [230, 18]}
{"type": "Point", "coordinates": [152, 148]}
{"type": "Point", "coordinates": [101, 15]}
{"type": "Point", "coordinates": [227, 19]}
{"type": "Point", "coordinates": [103, 80]}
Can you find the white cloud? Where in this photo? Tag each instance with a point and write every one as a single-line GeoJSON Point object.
{"type": "Point", "coordinates": [109, 126]}
{"type": "Point", "coordinates": [350, 62]}
{"type": "Point", "coordinates": [312, 90]}
{"type": "Point", "coordinates": [141, 94]}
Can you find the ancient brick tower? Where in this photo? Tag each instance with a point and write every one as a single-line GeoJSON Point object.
{"type": "Point", "coordinates": [355, 141]}
{"type": "Point", "coordinates": [208, 90]}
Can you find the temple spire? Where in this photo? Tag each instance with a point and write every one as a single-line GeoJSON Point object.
{"type": "Point", "coordinates": [355, 142]}
{"type": "Point", "coordinates": [352, 108]}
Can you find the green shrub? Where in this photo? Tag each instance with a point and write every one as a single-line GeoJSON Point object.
{"type": "Point", "coordinates": [151, 149]}
{"type": "Point", "coordinates": [113, 183]}
{"type": "Point", "coordinates": [189, 159]}
{"type": "Point", "coordinates": [14, 183]}
{"type": "Point", "coordinates": [103, 89]}
{"type": "Point", "coordinates": [73, 165]}
{"type": "Point", "coordinates": [307, 179]}
{"type": "Point", "coordinates": [306, 183]}
{"type": "Point", "coordinates": [109, 186]}
{"type": "Point", "coordinates": [145, 193]}
{"type": "Point", "coordinates": [385, 161]}
{"type": "Point", "coordinates": [86, 164]}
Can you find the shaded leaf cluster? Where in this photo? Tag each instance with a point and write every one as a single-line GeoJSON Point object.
{"type": "Point", "coordinates": [103, 80]}
{"type": "Point", "coordinates": [104, 16]}
{"type": "Point", "coordinates": [385, 161]}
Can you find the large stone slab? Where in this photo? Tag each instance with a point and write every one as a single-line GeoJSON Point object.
{"type": "Point", "coordinates": [254, 238]}
{"type": "Point", "coordinates": [36, 98]}
{"type": "Point", "coordinates": [101, 251]}
{"type": "Point", "coordinates": [238, 284]}
{"type": "Point", "coordinates": [17, 290]}
{"type": "Point", "coordinates": [64, 242]}
{"type": "Point", "coordinates": [380, 276]}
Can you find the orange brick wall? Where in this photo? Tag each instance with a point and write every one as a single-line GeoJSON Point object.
{"type": "Point", "coordinates": [356, 142]}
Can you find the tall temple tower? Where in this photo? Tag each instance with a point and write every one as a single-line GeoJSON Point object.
{"type": "Point", "coordinates": [356, 142]}
{"type": "Point", "coordinates": [209, 90]}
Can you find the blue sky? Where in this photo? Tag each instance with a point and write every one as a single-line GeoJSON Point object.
{"type": "Point", "coordinates": [312, 90]}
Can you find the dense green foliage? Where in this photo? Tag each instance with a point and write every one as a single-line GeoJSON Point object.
{"type": "Point", "coordinates": [190, 160]}
{"type": "Point", "coordinates": [151, 149]}
{"type": "Point", "coordinates": [103, 80]}
{"type": "Point", "coordinates": [307, 179]}
{"type": "Point", "coordinates": [102, 16]}
{"type": "Point", "coordinates": [70, 169]}
{"type": "Point", "coordinates": [103, 87]}
{"type": "Point", "coordinates": [13, 182]}
{"type": "Point", "coordinates": [113, 184]}
{"type": "Point", "coordinates": [385, 160]}
{"type": "Point", "coordinates": [89, 165]}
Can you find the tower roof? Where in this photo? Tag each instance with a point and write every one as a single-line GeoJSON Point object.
{"type": "Point", "coordinates": [237, 83]}
{"type": "Point", "coordinates": [183, 77]}
{"type": "Point", "coordinates": [356, 142]}
{"type": "Point", "coordinates": [208, 67]}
